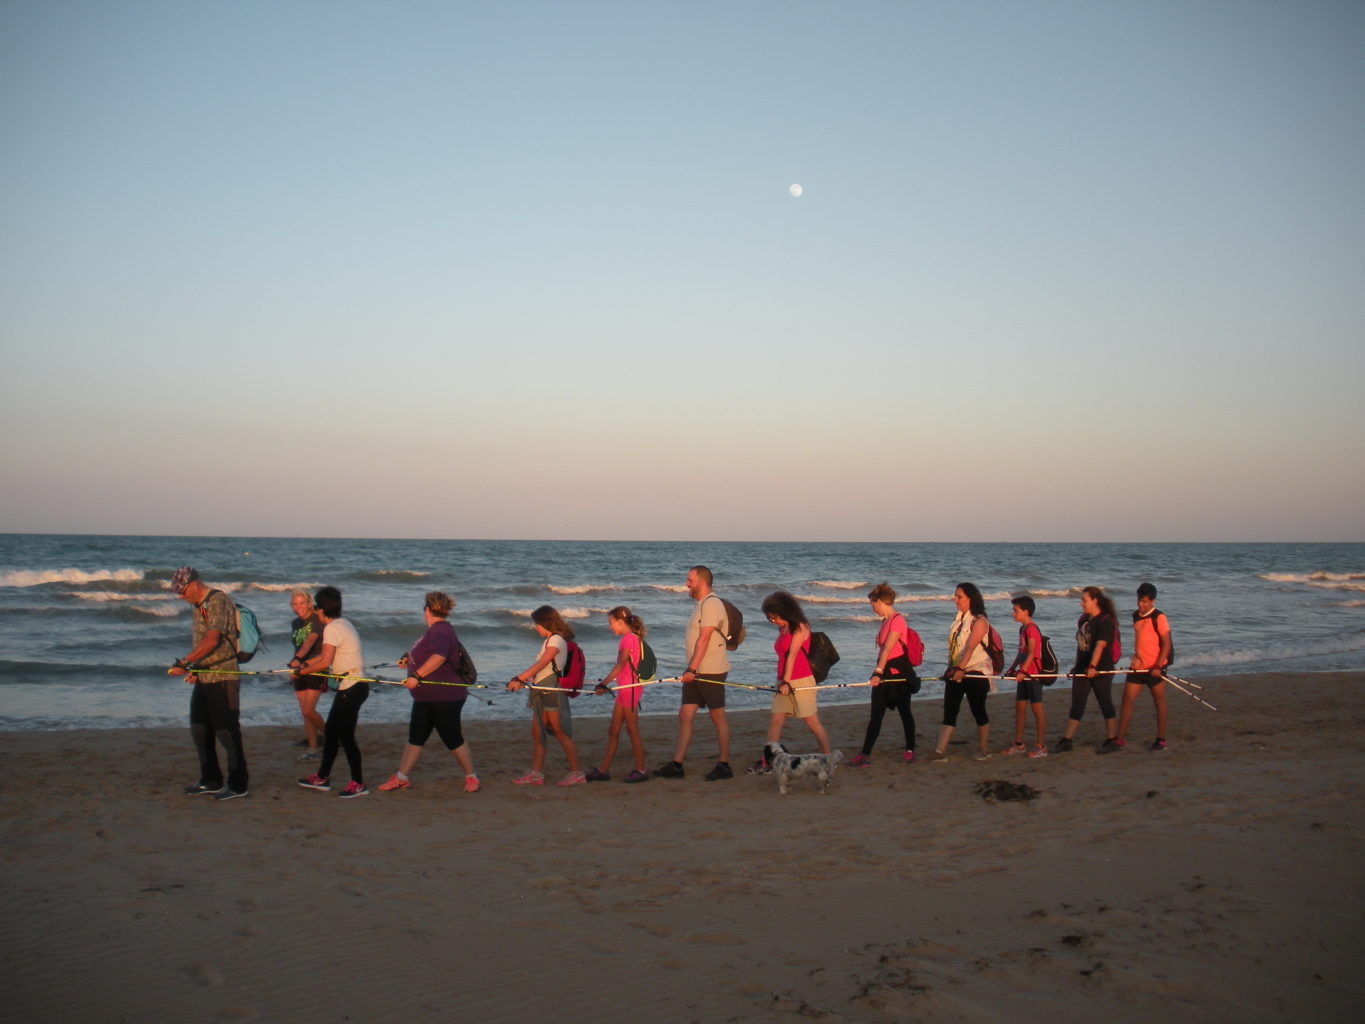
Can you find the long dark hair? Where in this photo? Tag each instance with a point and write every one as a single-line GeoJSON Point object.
{"type": "Point", "coordinates": [1105, 602]}
{"type": "Point", "coordinates": [787, 608]}
{"type": "Point", "coordinates": [633, 622]}
{"type": "Point", "coordinates": [553, 622]}
{"type": "Point", "coordinates": [976, 603]}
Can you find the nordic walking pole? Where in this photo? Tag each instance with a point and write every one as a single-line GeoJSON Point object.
{"type": "Point", "coordinates": [1187, 693]}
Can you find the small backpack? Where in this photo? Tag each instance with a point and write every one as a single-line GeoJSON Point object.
{"type": "Point", "coordinates": [247, 638]}
{"type": "Point", "coordinates": [464, 665]}
{"type": "Point", "coordinates": [995, 649]}
{"type": "Point", "coordinates": [734, 624]}
{"type": "Point", "coordinates": [1048, 659]}
{"type": "Point", "coordinates": [914, 646]}
{"type": "Point", "coordinates": [822, 656]}
{"type": "Point", "coordinates": [648, 664]}
{"type": "Point", "coordinates": [575, 668]}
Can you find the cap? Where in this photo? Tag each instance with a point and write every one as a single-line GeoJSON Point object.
{"type": "Point", "coordinates": [183, 577]}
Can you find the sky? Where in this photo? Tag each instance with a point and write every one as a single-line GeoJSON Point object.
{"type": "Point", "coordinates": [1060, 271]}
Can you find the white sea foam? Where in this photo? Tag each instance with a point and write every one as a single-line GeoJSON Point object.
{"type": "Point", "coordinates": [280, 588]}
{"type": "Point", "coordinates": [1320, 578]}
{"type": "Point", "coordinates": [669, 588]}
{"type": "Point", "coordinates": [820, 599]}
{"type": "Point", "coordinates": [36, 578]}
{"type": "Point", "coordinates": [839, 584]}
{"type": "Point", "coordinates": [586, 588]}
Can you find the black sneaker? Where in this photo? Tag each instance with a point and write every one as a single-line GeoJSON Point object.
{"type": "Point", "coordinates": [230, 794]}
{"type": "Point", "coordinates": [202, 789]}
{"type": "Point", "coordinates": [722, 770]}
{"type": "Point", "coordinates": [669, 770]}
{"type": "Point", "coordinates": [1063, 746]}
{"type": "Point", "coordinates": [1108, 746]}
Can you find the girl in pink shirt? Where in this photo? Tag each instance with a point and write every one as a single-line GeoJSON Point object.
{"type": "Point", "coordinates": [795, 697]}
{"type": "Point", "coordinates": [626, 673]}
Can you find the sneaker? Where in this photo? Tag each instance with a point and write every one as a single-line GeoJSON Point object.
{"type": "Point", "coordinates": [859, 760]}
{"type": "Point", "coordinates": [202, 789]}
{"type": "Point", "coordinates": [938, 757]}
{"type": "Point", "coordinates": [231, 794]}
{"type": "Point", "coordinates": [573, 779]}
{"type": "Point", "coordinates": [720, 772]}
{"type": "Point", "coordinates": [315, 781]}
{"type": "Point", "coordinates": [1108, 746]}
{"type": "Point", "coordinates": [984, 755]}
{"type": "Point", "coordinates": [1158, 744]}
{"type": "Point", "coordinates": [529, 779]}
{"type": "Point", "coordinates": [1014, 748]}
{"type": "Point", "coordinates": [354, 788]}
{"type": "Point", "coordinates": [760, 767]}
{"type": "Point", "coordinates": [1062, 746]}
{"type": "Point", "coordinates": [598, 775]}
{"type": "Point", "coordinates": [908, 757]}
{"type": "Point", "coordinates": [1038, 750]}
{"type": "Point", "coordinates": [309, 755]}
{"type": "Point", "coordinates": [638, 776]}
{"type": "Point", "coordinates": [669, 770]}
{"type": "Point", "coordinates": [393, 783]}
{"type": "Point", "coordinates": [471, 783]}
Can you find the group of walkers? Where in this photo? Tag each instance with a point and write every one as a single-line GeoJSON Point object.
{"type": "Point", "coordinates": [328, 650]}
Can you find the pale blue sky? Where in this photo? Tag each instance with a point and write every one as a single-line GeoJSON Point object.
{"type": "Point", "coordinates": [1061, 271]}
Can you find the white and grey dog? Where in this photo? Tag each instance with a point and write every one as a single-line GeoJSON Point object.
{"type": "Point", "coordinates": [790, 766]}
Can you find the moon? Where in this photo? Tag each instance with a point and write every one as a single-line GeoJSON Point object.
{"type": "Point", "coordinates": [795, 191]}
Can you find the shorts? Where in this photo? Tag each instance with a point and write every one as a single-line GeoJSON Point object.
{"type": "Point", "coordinates": [704, 694]}
{"type": "Point", "coordinates": [1030, 690]}
{"type": "Point", "coordinates": [304, 683]}
{"type": "Point", "coordinates": [547, 699]}
{"type": "Point", "coordinates": [1143, 679]}
{"type": "Point", "coordinates": [440, 715]}
{"type": "Point", "coordinates": [800, 703]}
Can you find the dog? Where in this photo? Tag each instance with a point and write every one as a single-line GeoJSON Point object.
{"type": "Point", "coordinates": [788, 766]}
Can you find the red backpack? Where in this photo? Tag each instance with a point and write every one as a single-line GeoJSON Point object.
{"type": "Point", "coordinates": [575, 668]}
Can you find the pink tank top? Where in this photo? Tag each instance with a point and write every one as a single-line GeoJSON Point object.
{"type": "Point", "coordinates": [801, 670]}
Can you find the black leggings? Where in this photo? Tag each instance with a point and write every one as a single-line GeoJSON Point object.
{"type": "Point", "coordinates": [894, 695]}
{"type": "Point", "coordinates": [341, 723]}
{"type": "Point", "coordinates": [1080, 693]}
{"type": "Point", "coordinates": [974, 687]}
{"type": "Point", "coordinates": [212, 716]}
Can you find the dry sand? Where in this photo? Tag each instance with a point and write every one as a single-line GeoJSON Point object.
{"type": "Point", "coordinates": [1218, 881]}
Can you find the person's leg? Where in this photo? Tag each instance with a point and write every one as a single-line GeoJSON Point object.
{"type": "Point", "coordinates": [1130, 693]}
{"type": "Point", "coordinates": [952, 705]}
{"type": "Point", "coordinates": [331, 734]}
{"type": "Point", "coordinates": [631, 718]}
{"type": "Point", "coordinates": [874, 719]}
{"type": "Point", "coordinates": [201, 730]}
{"type": "Point", "coordinates": [1020, 720]}
{"type": "Point", "coordinates": [818, 731]}
{"type": "Point", "coordinates": [1104, 696]}
{"type": "Point", "coordinates": [1040, 722]}
{"type": "Point", "coordinates": [687, 713]}
{"type": "Point", "coordinates": [537, 743]}
{"type": "Point", "coordinates": [977, 691]}
{"type": "Point", "coordinates": [555, 727]}
{"type": "Point", "coordinates": [1080, 694]}
{"type": "Point", "coordinates": [907, 719]}
{"type": "Point", "coordinates": [1159, 700]}
{"type": "Point", "coordinates": [722, 725]}
{"type": "Point", "coordinates": [313, 724]}
{"type": "Point", "coordinates": [350, 718]}
{"type": "Point", "coordinates": [775, 723]}
{"type": "Point", "coordinates": [225, 721]}
{"type": "Point", "coordinates": [613, 738]}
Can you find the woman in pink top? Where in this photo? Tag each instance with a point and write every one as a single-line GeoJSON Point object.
{"type": "Point", "coordinates": [795, 697]}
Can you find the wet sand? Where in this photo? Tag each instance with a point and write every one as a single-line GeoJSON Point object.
{"type": "Point", "coordinates": [1219, 880]}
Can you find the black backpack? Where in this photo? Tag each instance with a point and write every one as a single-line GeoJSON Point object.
{"type": "Point", "coordinates": [1048, 659]}
{"type": "Point", "coordinates": [734, 623]}
{"type": "Point", "coordinates": [821, 655]}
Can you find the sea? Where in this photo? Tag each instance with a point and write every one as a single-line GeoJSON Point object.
{"type": "Point", "coordinates": [88, 626]}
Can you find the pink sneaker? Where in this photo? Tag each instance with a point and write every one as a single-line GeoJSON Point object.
{"type": "Point", "coordinates": [353, 789]}
{"type": "Point", "coordinates": [908, 757]}
{"type": "Point", "coordinates": [394, 783]}
{"type": "Point", "coordinates": [1014, 748]}
{"type": "Point", "coordinates": [859, 760]}
{"type": "Point", "coordinates": [573, 779]}
{"type": "Point", "coordinates": [530, 779]}
{"type": "Point", "coordinates": [1038, 751]}
{"type": "Point", "coordinates": [471, 783]}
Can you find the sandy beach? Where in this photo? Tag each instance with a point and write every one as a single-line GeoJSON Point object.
{"type": "Point", "coordinates": [1219, 880]}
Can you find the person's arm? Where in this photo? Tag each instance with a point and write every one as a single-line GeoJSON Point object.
{"type": "Point", "coordinates": [321, 663]}
{"type": "Point", "coordinates": [183, 666]}
{"type": "Point", "coordinates": [310, 643]}
{"type": "Point", "coordinates": [547, 655]}
{"type": "Point", "coordinates": [622, 661]}
{"type": "Point", "coordinates": [433, 662]}
{"type": "Point", "coordinates": [1163, 657]}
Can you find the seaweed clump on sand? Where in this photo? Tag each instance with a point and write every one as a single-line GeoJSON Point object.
{"type": "Point", "coordinates": [995, 790]}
